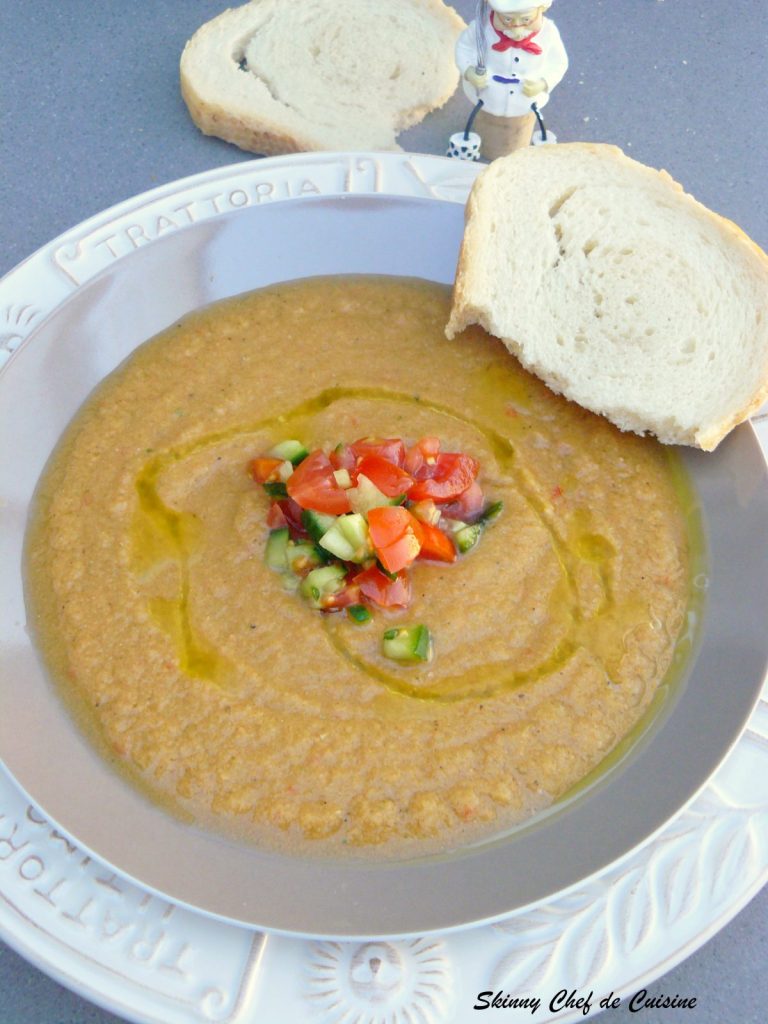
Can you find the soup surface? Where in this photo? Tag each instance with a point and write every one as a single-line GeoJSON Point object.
{"type": "Point", "coordinates": [234, 701]}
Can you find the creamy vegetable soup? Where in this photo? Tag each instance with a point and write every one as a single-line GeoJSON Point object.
{"type": "Point", "coordinates": [308, 572]}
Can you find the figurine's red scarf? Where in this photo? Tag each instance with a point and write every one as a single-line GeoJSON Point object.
{"type": "Point", "coordinates": [505, 42]}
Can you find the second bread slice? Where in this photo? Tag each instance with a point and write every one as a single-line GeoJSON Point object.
{"type": "Point", "coordinates": [277, 77]}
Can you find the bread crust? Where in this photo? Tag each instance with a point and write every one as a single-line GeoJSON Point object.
{"type": "Point", "coordinates": [213, 119]}
{"type": "Point", "coordinates": [473, 303]}
{"type": "Point", "coordinates": [250, 111]}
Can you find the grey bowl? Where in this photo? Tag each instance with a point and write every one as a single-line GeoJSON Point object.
{"type": "Point", "coordinates": [102, 294]}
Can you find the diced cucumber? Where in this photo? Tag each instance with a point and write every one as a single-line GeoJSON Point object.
{"type": "Point", "coordinates": [407, 643]}
{"type": "Point", "coordinates": [453, 525]}
{"type": "Point", "coordinates": [366, 495]}
{"type": "Point", "coordinates": [316, 523]}
{"type": "Point", "coordinates": [467, 536]}
{"type": "Point", "coordinates": [491, 512]}
{"type": "Point", "coordinates": [293, 451]}
{"type": "Point", "coordinates": [348, 538]}
{"type": "Point", "coordinates": [355, 528]}
{"type": "Point", "coordinates": [338, 545]}
{"type": "Point", "coordinates": [276, 490]}
{"type": "Point", "coordinates": [276, 551]}
{"type": "Point", "coordinates": [302, 556]}
{"type": "Point", "coordinates": [359, 613]}
{"type": "Point", "coordinates": [323, 582]}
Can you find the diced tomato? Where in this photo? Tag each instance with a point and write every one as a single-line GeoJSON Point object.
{"type": "Point", "coordinates": [467, 506]}
{"type": "Point", "coordinates": [389, 478]}
{"type": "Point", "coordinates": [401, 553]}
{"type": "Point", "coordinates": [451, 475]}
{"type": "Point", "coordinates": [421, 456]}
{"type": "Point", "coordinates": [391, 448]}
{"type": "Point", "coordinates": [435, 544]}
{"type": "Point", "coordinates": [429, 447]}
{"type": "Point", "coordinates": [350, 594]}
{"type": "Point", "coordinates": [312, 485]}
{"type": "Point", "coordinates": [376, 586]}
{"type": "Point", "coordinates": [388, 524]}
{"type": "Point", "coordinates": [276, 517]}
{"type": "Point", "coordinates": [342, 457]}
{"type": "Point", "coordinates": [265, 470]}
{"type": "Point", "coordinates": [393, 535]}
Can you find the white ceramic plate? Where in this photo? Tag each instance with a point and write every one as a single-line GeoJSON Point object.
{"type": "Point", "coordinates": [78, 306]}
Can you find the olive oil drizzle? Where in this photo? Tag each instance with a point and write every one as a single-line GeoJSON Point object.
{"type": "Point", "coordinates": [486, 682]}
{"type": "Point", "coordinates": [173, 536]}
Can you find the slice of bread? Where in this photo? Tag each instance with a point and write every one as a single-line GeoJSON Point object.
{"type": "Point", "coordinates": [276, 77]}
{"type": "Point", "coordinates": [619, 290]}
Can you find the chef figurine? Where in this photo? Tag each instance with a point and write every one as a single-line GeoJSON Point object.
{"type": "Point", "coordinates": [510, 57]}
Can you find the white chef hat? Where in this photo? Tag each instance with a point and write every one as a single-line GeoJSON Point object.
{"type": "Point", "coordinates": [515, 6]}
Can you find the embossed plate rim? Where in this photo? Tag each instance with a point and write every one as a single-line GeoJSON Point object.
{"type": "Point", "coordinates": [399, 179]}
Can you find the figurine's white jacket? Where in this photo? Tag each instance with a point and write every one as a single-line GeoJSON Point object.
{"type": "Point", "coordinates": [507, 99]}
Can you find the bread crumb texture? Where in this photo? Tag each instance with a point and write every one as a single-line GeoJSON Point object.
{"type": "Point", "coordinates": [274, 77]}
{"type": "Point", "coordinates": [618, 289]}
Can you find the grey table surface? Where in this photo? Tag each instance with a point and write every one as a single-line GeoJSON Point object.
{"type": "Point", "coordinates": [90, 114]}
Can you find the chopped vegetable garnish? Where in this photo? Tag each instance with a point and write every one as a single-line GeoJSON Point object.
{"type": "Point", "coordinates": [423, 453]}
{"type": "Point", "coordinates": [467, 506]}
{"type": "Point", "coordinates": [342, 478]}
{"type": "Point", "coordinates": [359, 613]}
{"type": "Point", "coordinates": [302, 557]}
{"type": "Point", "coordinates": [493, 511]}
{"type": "Point", "coordinates": [276, 517]}
{"type": "Point", "coordinates": [265, 470]}
{"type": "Point", "coordinates": [293, 516]}
{"type": "Point", "coordinates": [316, 524]}
{"type": "Point", "coordinates": [365, 495]}
{"type": "Point", "coordinates": [293, 451]}
{"type": "Point", "coordinates": [426, 511]}
{"type": "Point", "coordinates": [407, 643]}
{"type": "Point", "coordinates": [390, 479]}
{"type": "Point", "coordinates": [347, 597]}
{"type": "Point", "coordinates": [346, 526]}
{"type": "Point", "coordinates": [342, 457]}
{"type": "Point", "coordinates": [276, 489]}
{"type": "Point", "coordinates": [448, 477]}
{"type": "Point", "coordinates": [466, 535]}
{"type": "Point", "coordinates": [393, 537]}
{"type": "Point", "coordinates": [276, 551]}
{"type": "Point", "coordinates": [321, 584]}
{"type": "Point", "coordinates": [435, 544]}
{"type": "Point", "coordinates": [391, 449]}
{"type": "Point", "coordinates": [385, 591]}
{"type": "Point", "coordinates": [348, 538]}
{"type": "Point", "coordinates": [313, 486]}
